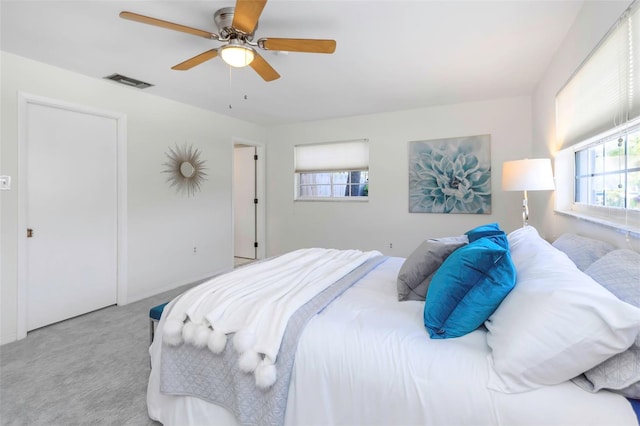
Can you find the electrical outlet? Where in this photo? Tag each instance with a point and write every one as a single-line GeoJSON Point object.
{"type": "Point", "coordinates": [195, 250]}
{"type": "Point", "coordinates": [5, 183]}
{"type": "Point", "coordinates": [390, 245]}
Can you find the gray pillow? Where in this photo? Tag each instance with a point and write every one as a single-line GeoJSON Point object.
{"type": "Point", "coordinates": [582, 251]}
{"type": "Point", "coordinates": [418, 269]}
{"type": "Point", "coordinates": [619, 272]}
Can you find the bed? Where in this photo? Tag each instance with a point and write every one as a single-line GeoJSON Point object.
{"type": "Point", "coordinates": [367, 358]}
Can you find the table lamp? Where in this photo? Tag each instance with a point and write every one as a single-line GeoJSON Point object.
{"type": "Point", "coordinates": [527, 175]}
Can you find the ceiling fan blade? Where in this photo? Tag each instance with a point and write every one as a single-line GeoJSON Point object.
{"type": "Point", "coordinates": [246, 15]}
{"type": "Point", "coordinates": [166, 24]}
{"type": "Point", "coordinates": [196, 60]}
{"type": "Point", "coordinates": [298, 45]}
{"type": "Point", "coordinates": [263, 68]}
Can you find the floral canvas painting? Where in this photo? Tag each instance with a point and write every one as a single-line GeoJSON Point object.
{"type": "Point", "coordinates": [450, 175]}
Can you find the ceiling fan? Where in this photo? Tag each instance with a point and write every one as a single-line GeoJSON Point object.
{"type": "Point", "coordinates": [236, 28]}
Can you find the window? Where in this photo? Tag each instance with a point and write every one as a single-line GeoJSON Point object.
{"type": "Point", "coordinates": [598, 180]}
{"type": "Point", "coordinates": [598, 125]}
{"type": "Point", "coordinates": [332, 171]}
{"type": "Point", "coordinates": [334, 184]}
{"type": "Point", "coordinates": [608, 172]}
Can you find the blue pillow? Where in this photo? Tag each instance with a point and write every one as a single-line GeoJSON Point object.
{"type": "Point", "coordinates": [500, 239]}
{"type": "Point", "coordinates": [467, 288]}
{"type": "Point", "coordinates": [484, 231]}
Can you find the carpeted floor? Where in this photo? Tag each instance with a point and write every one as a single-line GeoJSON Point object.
{"type": "Point", "coordinates": [91, 369]}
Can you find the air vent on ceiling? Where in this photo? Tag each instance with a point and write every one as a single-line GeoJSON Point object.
{"type": "Point", "coordinates": [128, 81]}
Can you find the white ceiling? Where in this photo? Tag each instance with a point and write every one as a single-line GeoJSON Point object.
{"type": "Point", "coordinates": [390, 56]}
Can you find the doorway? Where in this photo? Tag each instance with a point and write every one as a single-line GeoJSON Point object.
{"type": "Point", "coordinates": [248, 202]}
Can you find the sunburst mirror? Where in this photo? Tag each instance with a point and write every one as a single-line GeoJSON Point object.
{"type": "Point", "coordinates": [185, 169]}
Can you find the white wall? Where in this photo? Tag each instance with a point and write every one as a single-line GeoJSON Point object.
{"type": "Point", "coordinates": [385, 218]}
{"type": "Point", "coordinates": [590, 26]}
{"type": "Point", "coordinates": [163, 227]}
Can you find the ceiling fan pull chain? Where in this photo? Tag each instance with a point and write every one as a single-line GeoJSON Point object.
{"type": "Point", "coordinates": [230, 88]}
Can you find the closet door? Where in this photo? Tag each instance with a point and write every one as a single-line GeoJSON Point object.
{"type": "Point", "coordinates": [71, 187]}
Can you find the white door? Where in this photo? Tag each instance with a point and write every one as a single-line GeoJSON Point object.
{"type": "Point", "coordinates": [244, 194]}
{"type": "Point", "coordinates": [72, 211]}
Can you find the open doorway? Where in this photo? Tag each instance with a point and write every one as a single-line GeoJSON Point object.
{"type": "Point", "coordinates": [248, 203]}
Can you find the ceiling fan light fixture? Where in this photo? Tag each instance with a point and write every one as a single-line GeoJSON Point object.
{"type": "Point", "coordinates": [236, 27]}
{"type": "Point", "coordinates": [237, 55]}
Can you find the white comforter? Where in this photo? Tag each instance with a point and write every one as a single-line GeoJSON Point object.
{"type": "Point", "coordinates": [367, 359]}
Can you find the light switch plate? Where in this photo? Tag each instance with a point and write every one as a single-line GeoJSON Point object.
{"type": "Point", "coordinates": [5, 183]}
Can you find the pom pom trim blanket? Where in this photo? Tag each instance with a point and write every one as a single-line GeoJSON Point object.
{"type": "Point", "coordinates": [192, 371]}
{"type": "Point", "coordinates": [255, 304]}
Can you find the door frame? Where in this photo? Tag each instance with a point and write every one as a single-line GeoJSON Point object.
{"type": "Point", "coordinates": [24, 100]}
{"type": "Point", "coordinates": [261, 222]}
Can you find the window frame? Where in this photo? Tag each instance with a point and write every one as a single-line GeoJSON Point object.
{"type": "Point", "coordinates": [336, 198]}
{"type": "Point", "coordinates": [345, 156]}
{"type": "Point", "coordinates": [587, 175]}
{"type": "Point", "coordinates": [620, 218]}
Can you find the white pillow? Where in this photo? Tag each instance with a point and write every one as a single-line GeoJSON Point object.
{"type": "Point", "coordinates": [556, 323]}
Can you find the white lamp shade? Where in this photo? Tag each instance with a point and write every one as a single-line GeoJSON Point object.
{"type": "Point", "coordinates": [527, 175]}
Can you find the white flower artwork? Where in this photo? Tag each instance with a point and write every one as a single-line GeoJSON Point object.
{"type": "Point", "coordinates": [451, 175]}
{"type": "Point", "coordinates": [185, 169]}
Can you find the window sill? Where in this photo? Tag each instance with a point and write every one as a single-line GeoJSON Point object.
{"type": "Point", "coordinates": [623, 228]}
{"type": "Point", "coordinates": [334, 200]}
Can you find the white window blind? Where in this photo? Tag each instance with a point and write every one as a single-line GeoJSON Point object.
{"type": "Point", "coordinates": [605, 90]}
{"type": "Point", "coordinates": [333, 156]}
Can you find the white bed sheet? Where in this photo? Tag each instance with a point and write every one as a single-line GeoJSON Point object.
{"type": "Point", "coordinates": [367, 359]}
